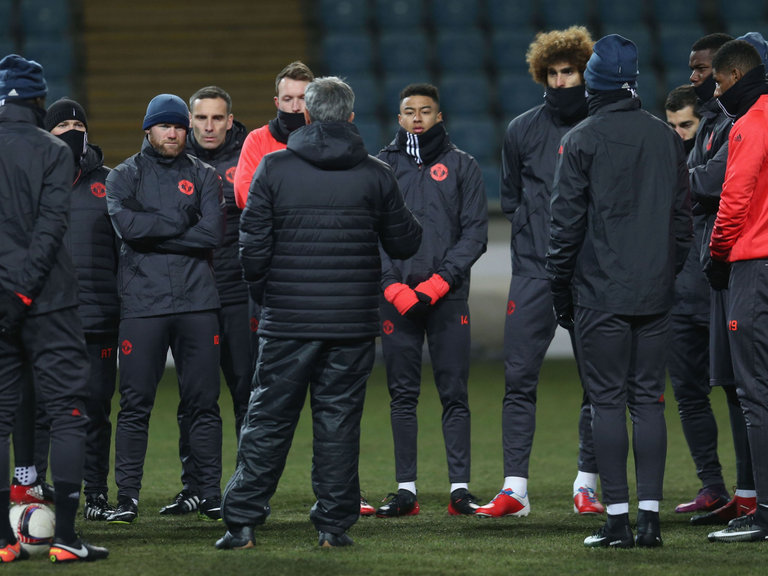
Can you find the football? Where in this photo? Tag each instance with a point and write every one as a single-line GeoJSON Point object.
{"type": "Point", "coordinates": [34, 526]}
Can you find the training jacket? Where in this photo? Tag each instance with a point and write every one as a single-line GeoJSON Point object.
{"type": "Point", "coordinates": [165, 260]}
{"type": "Point", "coordinates": [310, 233]}
{"type": "Point", "coordinates": [621, 217]}
{"type": "Point", "coordinates": [448, 198]}
{"type": "Point", "coordinates": [258, 144]}
{"type": "Point", "coordinates": [528, 160]}
{"type": "Point", "coordinates": [226, 264]}
{"type": "Point", "coordinates": [92, 242]}
{"type": "Point", "coordinates": [36, 173]}
{"type": "Point", "coordinates": [740, 232]}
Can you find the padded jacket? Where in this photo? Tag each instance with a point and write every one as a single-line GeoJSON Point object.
{"type": "Point", "coordinates": [310, 233]}
{"type": "Point", "coordinates": [169, 214]}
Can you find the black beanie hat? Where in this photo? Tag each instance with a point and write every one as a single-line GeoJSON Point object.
{"type": "Point", "coordinates": [21, 79]}
{"type": "Point", "coordinates": [64, 109]}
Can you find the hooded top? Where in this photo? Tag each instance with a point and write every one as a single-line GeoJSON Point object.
{"type": "Point", "coordinates": [310, 234]}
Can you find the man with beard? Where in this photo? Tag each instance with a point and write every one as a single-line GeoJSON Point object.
{"type": "Point", "coordinates": [556, 60]}
{"type": "Point", "coordinates": [217, 138]}
{"type": "Point", "coordinates": [168, 209]}
{"type": "Point", "coordinates": [426, 294]}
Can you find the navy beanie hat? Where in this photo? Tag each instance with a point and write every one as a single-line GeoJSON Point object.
{"type": "Point", "coordinates": [613, 64]}
{"type": "Point", "coordinates": [166, 108]}
{"type": "Point", "coordinates": [64, 109]}
{"type": "Point", "coordinates": [21, 79]}
{"type": "Point", "coordinates": [757, 40]}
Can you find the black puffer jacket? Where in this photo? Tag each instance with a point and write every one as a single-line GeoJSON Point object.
{"type": "Point", "coordinates": [310, 233]}
{"type": "Point", "coordinates": [226, 265]}
{"type": "Point", "coordinates": [165, 259]}
{"type": "Point", "coordinates": [621, 217]}
{"type": "Point", "coordinates": [36, 173]}
{"type": "Point", "coordinates": [448, 197]}
{"type": "Point", "coordinates": [92, 242]}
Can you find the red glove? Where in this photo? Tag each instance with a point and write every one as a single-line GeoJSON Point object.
{"type": "Point", "coordinates": [434, 287]}
{"type": "Point", "coordinates": [401, 297]}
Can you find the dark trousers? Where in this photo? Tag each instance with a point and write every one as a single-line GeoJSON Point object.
{"type": "Point", "coordinates": [447, 329]}
{"type": "Point", "coordinates": [144, 342]}
{"type": "Point", "coordinates": [528, 331]}
{"type": "Point", "coordinates": [236, 365]}
{"type": "Point", "coordinates": [52, 345]}
{"type": "Point", "coordinates": [748, 335]}
{"type": "Point", "coordinates": [689, 373]}
{"type": "Point", "coordinates": [335, 372]}
{"type": "Point", "coordinates": [623, 365]}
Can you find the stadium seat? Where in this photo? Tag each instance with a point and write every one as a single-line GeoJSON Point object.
{"type": "Point", "coordinates": [678, 12]}
{"type": "Point", "coordinates": [461, 94]}
{"type": "Point", "coordinates": [675, 41]}
{"type": "Point", "coordinates": [373, 136]}
{"type": "Point", "coordinates": [340, 15]}
{"type": "Point", "coordinates": [399, 15]}
{"type": "Point", "coordinates": [45, 17]}
{"type": "Point", "coordinates": [556, 14]}
{"type": "Point", "coordinates": [476, 134]}
{"type": "Point", "coordinates": [506, 15]}
{"type": "Point", "coordinates": [367, 93]}
{"type": "Point", "coordinates": [346, 53]}
{"type": "Point", "coordinates": [6, 24]}
{"type": "Point", "coordinates": [491, 175]}
{"type": "Point", "coordinates": [508, 49]}
{"type": "Point", "coordinates": [733, 11]}
{"type": "Point", "coordinates": [55, 55]}
{"type": "Point", "coordinates": [461, 51]}
{"type": "Point", "coordinates": [517, 92]}
{"type": "Point", "coordinates": [612, 12]}
{"type": "Point", "coordinates": [739, 28]}
{"type": "Point", "coordinates": [401, 51]}
{"type": "Point", "coordinates": [456, 14]}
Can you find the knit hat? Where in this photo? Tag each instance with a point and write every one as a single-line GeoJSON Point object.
{"type": "Point", "coordinates": [613, 64]}
{"type": "Point", "coordinates": [757, 40]}
{"type": "Point", "coordinates": [166, 108]}
{"type": "Point", "coordinates": [64, 109]}
{"type": "Point", "coordinates": [21, 79]}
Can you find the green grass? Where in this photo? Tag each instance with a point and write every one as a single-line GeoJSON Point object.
{"type": "Point", "coordinates": [549, 541]}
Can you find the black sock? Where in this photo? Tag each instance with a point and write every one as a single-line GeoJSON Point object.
{"type": "Point", "coordinates": [6, 532]}
{"type": "Point", "coordinates": [67, 500]}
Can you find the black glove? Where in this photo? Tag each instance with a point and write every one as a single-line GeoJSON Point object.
{"type": "Point", "coordinates": [420, 309]}
{"type": "Point", "coordinates": [132, 204]}
{"type": "Point", "coordinates": [12, 312]}
{"type": "Point", "coordinates": [192, 214]}
{"type": "Point", "coordinates": [563, 304]}
{"type": "Point", "coordinates": [718, 273]}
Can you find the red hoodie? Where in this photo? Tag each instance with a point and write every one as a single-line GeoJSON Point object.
{"type": "Point", "coordinates": [258, 144]}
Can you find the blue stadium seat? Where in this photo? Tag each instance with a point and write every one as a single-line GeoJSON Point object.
{"type": "Point", "coordinates": [55, 55]}
{"type": "Point", "coordinates": [461, 51]}
{"type": "Point", "coordinates": [58, 88]}
{"type": "Point", "coordinates": [456, 14]}
{"type": "Point", "coordinates": [476, 134]}
{"type": "Point", "coordinates": [517, 92]}
{"type": "Point", "coordinates": [739, 28]}
{"type": "Point", "coordinates": [508, 49]}
{"type": "Point", "coordinates": [491, 175]}
{"type": "Point", "coordinates": [373, 136]}
{"type": "Point", "coordinates": [506, 15]}
{"type": "Point", "coordinates": [6, 23]}
{"type": "Point", "coordinates": [675, 41]}
{"type": "Point", "coordinates": [339, 15]}
{"type": "Point", "coordinates": [732, 11]}
{"type": "Point", "coordinates": [403, 51]}
{"type": "Point", "coordinates": [614, 12]}
{"type": "Point", "coordinates": [45, 17]}
{"type": "Point", "coordinates": [399, 15]}
{"type": "Point", "coordinates": [367, 93]}
{"type": "Point", "coordinates": [462, 94]}
{"type": "Point", "coordinates": [556, 14]}
{"type": "Point", "coordinates": [346, 53]}
{"type": "Point", "coordinates": [677, 12]}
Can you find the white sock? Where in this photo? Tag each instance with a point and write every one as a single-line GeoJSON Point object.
{"type": "Point", "coordinates": [410, 486]}
{"type": "Point", "coordinates": [517, 484]}
{"type": "Point", "coordinates": [457, 485]}
{"type": "Point", "coordinates": [649, 505]}
{"type": "Point", "coordinates": [745, 493]}
{"type": "Point", "coordinates": [584, 480]}
{"type": "Point", "coordinates": [616, 509]}
{"type": "Point", "coordinates": [26, 475]}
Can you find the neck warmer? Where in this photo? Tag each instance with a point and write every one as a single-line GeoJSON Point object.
{"type": "Point", "coordinates": [599, 98]}
{"type": "Point", "coordinates": [286, 122]}
{"type": "Point", "coordinates": [425, 147]}
{"type": "Point", "coordinates": [77, 142]}
{"type": "Point", "coordinates": [705, 90]}
{"type": "Point", "coordinates": [688, 145]}
{"type": "Point", "coordinates": [568, 104]}
{"type": "Point", "coordinates": [740, 97]}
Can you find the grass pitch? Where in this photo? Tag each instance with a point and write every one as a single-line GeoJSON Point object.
{"type": "Point", "coordinates": [549, 541]}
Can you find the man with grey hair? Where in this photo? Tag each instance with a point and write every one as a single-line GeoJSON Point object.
{"type": "Point", "coordinates": [309, 246]}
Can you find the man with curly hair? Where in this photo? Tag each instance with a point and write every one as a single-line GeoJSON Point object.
{"type": "Point", "coordinates": [557, 61]}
